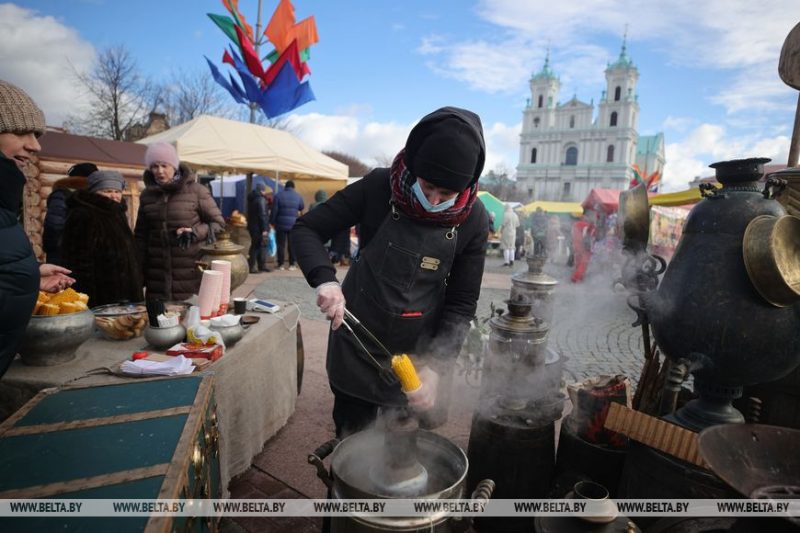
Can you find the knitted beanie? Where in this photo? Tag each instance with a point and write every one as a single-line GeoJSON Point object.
{"type": "Point", "coordinates": [161, 153]}
{"type": "Point", "coordinates": [82, 169]}
{"type": "Point", "coordinates": [106, 179]}
{"type": "Point", "coordinates": [18, 112]}
{"type": "Point", "coordinates": [444, 149]}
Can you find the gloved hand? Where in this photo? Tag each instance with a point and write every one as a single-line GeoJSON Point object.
{"type": "Point", "coordinates": [185, 239]}
{"type": "Point", "coordinates": [330, 301]}
{"type": "Point", "coordinates": [424, 398]}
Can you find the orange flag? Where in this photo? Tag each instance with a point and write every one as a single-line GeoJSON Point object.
{"type": "Point", "coordinates": [281, 23]}
{"type": "Point", "coordinates": [305, 32]}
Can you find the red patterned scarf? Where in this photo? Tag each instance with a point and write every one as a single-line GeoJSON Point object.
{"type": "Point", "coordinates": [403, 197]}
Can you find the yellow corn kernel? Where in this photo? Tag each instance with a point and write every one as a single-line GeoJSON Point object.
{"type": "Point", "coordinates": [406, 373]}
{"type": "Point", "coordinates": [67, 295]}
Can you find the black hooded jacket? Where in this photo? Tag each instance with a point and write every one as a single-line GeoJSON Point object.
{"type": "Point", "coordinates": [19, 270]}
{"type": "Point", "coordinates": [365, 203]}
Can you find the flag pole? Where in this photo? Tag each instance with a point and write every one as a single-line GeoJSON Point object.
{"type": "Point", "coordinates": [254, 105]}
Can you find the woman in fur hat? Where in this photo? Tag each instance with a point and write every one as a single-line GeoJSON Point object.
{"type": "Point", "coordinates": [97, 243]}
{"type": "Point", "coordinates": [176, 215]}
{"type": "Point", "coordinates": [21, 276]}
{"type": "Point", "coordinates": [417, 279]}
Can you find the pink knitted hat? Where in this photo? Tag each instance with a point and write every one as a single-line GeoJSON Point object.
{"type": "Point", "coordinates": [161, 153]}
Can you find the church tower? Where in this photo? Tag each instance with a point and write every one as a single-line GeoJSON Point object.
{"type": "Point", "coordinates": [619, 104]}
{"type": "Point", "coordinates": [566, 150]}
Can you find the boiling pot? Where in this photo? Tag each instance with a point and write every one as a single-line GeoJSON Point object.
{"type": "Point", "coordinates": [351, 476]}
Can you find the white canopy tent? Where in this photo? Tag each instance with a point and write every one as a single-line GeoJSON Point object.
{"type": "Point", "coordinates": [227, 146]}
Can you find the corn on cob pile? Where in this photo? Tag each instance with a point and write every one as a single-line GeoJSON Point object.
{"type": "Point", "coordinates": [406, 373]}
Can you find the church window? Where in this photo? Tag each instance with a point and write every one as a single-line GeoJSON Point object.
{"type": "Point", "coordinates": [617, 93]}
{"type": "Point", "coordinates": [610, 154]}
{"type": "Point", "coordinates": [572, 156]}
{"type": "Point", "coordinates": [572, 121]}
{"type": "Point", "coordinates": [533, 155]}
{"type": "Point", "coordinates": [536, 122]}
{"type": "Point", "coordinates": [541, 100]}
{"type": "Point", "coordinates": [613, 119]}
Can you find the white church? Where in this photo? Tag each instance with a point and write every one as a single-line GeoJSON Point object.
{"type": "Point", "coordinates": [566, 150]}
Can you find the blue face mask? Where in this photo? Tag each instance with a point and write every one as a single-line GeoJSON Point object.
{"type": "Point", "coordinates": [429, 207]}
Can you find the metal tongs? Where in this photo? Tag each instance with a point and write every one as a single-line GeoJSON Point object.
{"type": "Point", "coordinates": [386, 374]}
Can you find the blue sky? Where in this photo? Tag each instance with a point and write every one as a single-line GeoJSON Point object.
{"type": "Point", "coordinates": [708, 70]}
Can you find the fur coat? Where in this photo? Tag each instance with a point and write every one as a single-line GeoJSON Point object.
{"type": "Point", "coordinates": [98, 246]}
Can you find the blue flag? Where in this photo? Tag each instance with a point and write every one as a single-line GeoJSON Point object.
{"type": "Point", "coordinates": [219, 78]}
{"type": "Point", "coordinates": [285, 93]}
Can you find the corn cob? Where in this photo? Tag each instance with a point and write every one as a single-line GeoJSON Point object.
{"type": "Point", "coordinates": [406, 373]}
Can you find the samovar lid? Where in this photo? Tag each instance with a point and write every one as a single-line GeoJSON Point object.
{"type": "Point", "coordinates": [223, 245]}
{"type": "Point", "coordinates": [534, 278]}
{"type": "Point", "coordinates": [519, 319]}
{"type": "Point", "coordinates": [738, 170]}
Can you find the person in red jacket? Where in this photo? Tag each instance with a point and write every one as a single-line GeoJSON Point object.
{"type": "Point", "coordinates": [582, 239]}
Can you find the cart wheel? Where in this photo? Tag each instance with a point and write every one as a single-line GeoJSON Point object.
{"type": "Point", "coordinates": [301, 358]}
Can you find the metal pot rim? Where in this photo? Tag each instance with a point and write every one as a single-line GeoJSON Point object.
{"type": "Point", "coordinates": [769, 245]}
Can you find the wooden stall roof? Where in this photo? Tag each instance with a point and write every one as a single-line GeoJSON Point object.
{"type": "Point", "coordinates": [68, 147]}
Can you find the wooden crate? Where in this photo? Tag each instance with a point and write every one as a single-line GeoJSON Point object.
{"type": "Point", "coordinates": [148, 439]}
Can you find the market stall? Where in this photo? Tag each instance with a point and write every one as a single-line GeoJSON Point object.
{"type": "Point", "coordinates": [255, 383]}
{"type": "Point", "coordinates": [225, 146]}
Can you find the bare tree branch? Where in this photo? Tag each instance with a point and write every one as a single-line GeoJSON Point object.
{"type": "Point", "coordinates": [119, 95]}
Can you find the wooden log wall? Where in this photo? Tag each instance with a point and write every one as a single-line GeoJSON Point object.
{"type": "Point", "coordinates": [41, 177]}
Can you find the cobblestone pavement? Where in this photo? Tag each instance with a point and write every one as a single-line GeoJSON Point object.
{"type": "Point", "coordinates": [592, 325]}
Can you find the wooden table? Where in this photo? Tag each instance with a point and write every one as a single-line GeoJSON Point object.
{"type": "Point", "coordinates": [255, 385]}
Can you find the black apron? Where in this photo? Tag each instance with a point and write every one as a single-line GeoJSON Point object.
{"type": "Point", "coordinates": [396, 289]}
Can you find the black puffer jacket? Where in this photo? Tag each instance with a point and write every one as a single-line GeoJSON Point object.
{"type": "Point", "coordinates": [98, 247]}
{"type": "Point", "coordinates": [171, 272]}
{"type": "Point", "coordinates": [19, 270]}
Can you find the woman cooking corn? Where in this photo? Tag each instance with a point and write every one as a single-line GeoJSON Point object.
{"type": "Point", "coordinates": [416, 281]}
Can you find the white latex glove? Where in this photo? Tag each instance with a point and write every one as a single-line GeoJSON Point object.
{"type": "Point", "coordinates": [424, 397]}
{"type": "Point", "coordinates": [330, 301]}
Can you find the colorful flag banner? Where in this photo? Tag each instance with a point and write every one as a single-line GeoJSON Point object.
{"type": "Point", "coordinates": [291, 56]}
{"type": "Point", "coordinates": [226, 25]}
{"type": "Point", "coordinates": [219, 78]}
{"type": "Point", "coordinates": [285, 93]}
{"type": "Point", "coordinates": [233, 8]}
{"type": "Point", "coordinates": [279, 25]}
{"type": "Point", "coordinates": [273, 56]}
{"type": "Point", "coordinates": [249, 54]}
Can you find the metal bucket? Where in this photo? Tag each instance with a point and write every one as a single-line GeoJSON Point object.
{"type": "Point", "coordinates": [349, 477]}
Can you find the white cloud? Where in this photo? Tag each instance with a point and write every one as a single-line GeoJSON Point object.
{"type": "Point", "coordinates": [375, 143]}
{"type": "Point", "coordinates": [371, 142]}
{"type": "Point", "coordinates": [709, 143]}
{"type": "Point", "coordinates": [679, 124]}
{"type": "Point", "coordinates": [36, 52]}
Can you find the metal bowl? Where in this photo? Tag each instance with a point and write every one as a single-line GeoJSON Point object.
{"type": "Point", "coordinates": [771, 248]}
{"type": "Point", "coordinates": [120, 322]}
{"type": "Point", "coordinates": [53, 340]}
